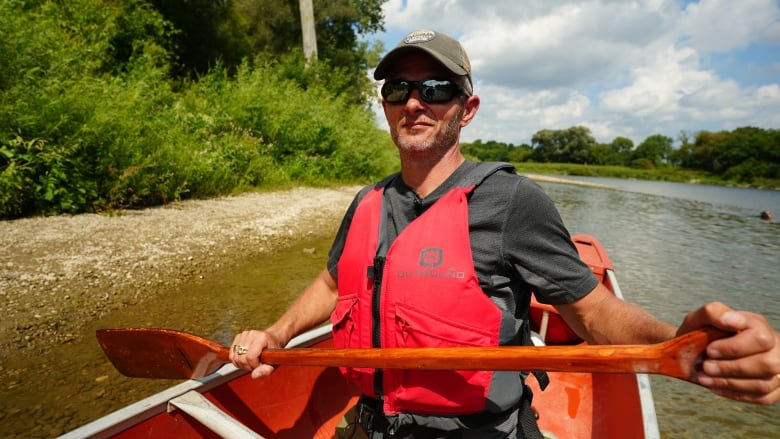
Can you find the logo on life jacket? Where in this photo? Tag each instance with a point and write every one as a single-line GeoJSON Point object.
{"type": "Point", "coordinates": [430, 257]}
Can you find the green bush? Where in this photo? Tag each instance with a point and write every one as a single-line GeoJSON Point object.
{"type": "Point", "coordinates": [91, 120]}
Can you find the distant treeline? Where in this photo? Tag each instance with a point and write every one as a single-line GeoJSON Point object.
{"type": "Point", "coordinates": [746, 155]}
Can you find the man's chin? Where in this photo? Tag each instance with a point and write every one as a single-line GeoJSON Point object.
{"type": "Point", "coordinates": [415, 147]}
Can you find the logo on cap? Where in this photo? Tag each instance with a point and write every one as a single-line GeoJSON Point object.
{"type": "Point", "coordinates": [420, 36]}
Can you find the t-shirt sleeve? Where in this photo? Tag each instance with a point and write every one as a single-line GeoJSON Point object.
{"type": "Point", "coordinates": [539, 247]}
{"type": "Point", "coordinates": [341, 235]}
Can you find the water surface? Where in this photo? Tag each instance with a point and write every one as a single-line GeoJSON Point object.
{"type": "Point", "coordinates": [676, 246]}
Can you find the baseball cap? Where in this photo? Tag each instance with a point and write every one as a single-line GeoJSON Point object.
{"type": "Point", "coordinates": [443, 48]}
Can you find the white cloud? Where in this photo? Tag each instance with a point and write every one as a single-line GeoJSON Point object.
{"type": "Point", "coordinates": [621, 68]}
{"type": "Point", "coordinates": [521, 113]}
{"type": "Point", "coordinates": [725, 25]}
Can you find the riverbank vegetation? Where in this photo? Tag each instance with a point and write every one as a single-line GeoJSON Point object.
{"type": "Point", "coordinates": [746, 156]}
{"type": "Point", "coordinates": [114, 105]}
{"type": "Point", "coordinates": [107, 105]}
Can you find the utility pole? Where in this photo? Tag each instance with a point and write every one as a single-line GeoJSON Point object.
{"type": "Point", "coordinates": [307, 27]}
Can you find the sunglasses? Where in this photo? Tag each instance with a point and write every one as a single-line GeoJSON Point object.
{"type": "Point", "coordinates": [431, 90]}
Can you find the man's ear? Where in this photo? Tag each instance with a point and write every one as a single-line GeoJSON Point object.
{"type": "Point", "coordinates": [469, 110]}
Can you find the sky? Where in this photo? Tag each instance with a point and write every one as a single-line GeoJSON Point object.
{"type": "Point", "coordinates": [620, 68]}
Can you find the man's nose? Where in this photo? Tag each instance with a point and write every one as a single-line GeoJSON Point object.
{"type": "Point", "coordinates": [414, 101]}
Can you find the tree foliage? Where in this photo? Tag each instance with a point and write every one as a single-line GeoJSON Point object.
{"type": "Point", "coordinates": [495, 151]}
{"type": "Point", "coordinates": [745, 155]}
{"type": "Point", "coordinates": [653, 152]}
{"type": "Point", "coordinates": [94, 114]}
{"type": "Point", "coordinates": [231, 31]}
{"type": "Point", "coordinates": [571, 145]}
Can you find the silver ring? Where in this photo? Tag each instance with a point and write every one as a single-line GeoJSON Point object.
{"type": "Point", "coordinates": [240, 350]}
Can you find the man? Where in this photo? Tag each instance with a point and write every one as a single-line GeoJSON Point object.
{"type": "Point", "coordinates": [446, 253]}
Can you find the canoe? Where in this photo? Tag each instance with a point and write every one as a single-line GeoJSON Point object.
{"type": "Point", "coordinates": [315, 402]}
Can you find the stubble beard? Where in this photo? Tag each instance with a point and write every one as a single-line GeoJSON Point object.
{"type": "Point", "coordinates": [440, 144]}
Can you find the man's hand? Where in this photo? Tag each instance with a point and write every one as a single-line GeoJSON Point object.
{"type": "Point", "coordinates": [251, 345]}
{"type": "Point", "coordinates": [744, 367]}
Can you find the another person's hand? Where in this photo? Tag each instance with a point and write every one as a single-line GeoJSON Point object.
{"type": "Point", "coordinates": [744, 367]}
{"type": "Point", "coordinates": [246, 349]}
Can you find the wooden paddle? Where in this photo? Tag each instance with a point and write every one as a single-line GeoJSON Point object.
{"type": "Point", "coordinates": [164, 353]}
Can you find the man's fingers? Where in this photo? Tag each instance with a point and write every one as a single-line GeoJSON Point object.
{"type": "Point", "coordinates": [755, 366]}
{"type": "Point", "coordinates": [765, 392]}
{"type": "Point", "coordinates": [756, 339]}
{"type": "Point", "coordinates": [262, 371]}
{"type": "Point", "coordinates": [246, 348]}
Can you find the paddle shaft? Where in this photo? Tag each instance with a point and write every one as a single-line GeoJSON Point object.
{"type": "Point", "coordinates": [676, 358]}
{"type": "Point", "coordinates": [163, 353]}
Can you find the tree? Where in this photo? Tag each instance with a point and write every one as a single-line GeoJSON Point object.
{"type": "Point", "coordinates": [701, 153]}
{"type": "Point", "coordinates": [601, 154]}
{"type": "Point", "coordinates": [654, 150]}
{"type": "Point", "coordinates": [495, 151]}
{"type": "Point", "coordinates": [519, 153]}
{"type": "Point", "coordinates": [206, 34]}
{"type": "Point", "coordinates": [740, 145]}
{"type": "Point", "coordinates": [677, 156]}
{"type": "Point", "coordinates": [308, 32]}
{"type": "Point", "coordinates": [571, 145]}
{"type": "Point", "coordinates": [228, 32]}
{"type": "Point", "coordinates": [620, 151]}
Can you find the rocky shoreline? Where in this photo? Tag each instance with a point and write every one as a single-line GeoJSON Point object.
{"type": "Point", "coordinates": [58, 272]}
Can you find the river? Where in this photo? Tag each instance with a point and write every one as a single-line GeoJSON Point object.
{"type": "Point", "coordinates": [674, 246]}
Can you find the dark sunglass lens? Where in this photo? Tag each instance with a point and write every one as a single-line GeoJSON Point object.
{"type": "Point", "coordinates": [431, 90]}
{"type": "Point", "coordinates": [435, 90]}
{"type": "Point", "coordinates": [396, 91]}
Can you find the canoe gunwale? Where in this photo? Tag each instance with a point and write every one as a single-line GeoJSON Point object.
{"type": "Point", "coordinates": [646, 400]}
{"type": "Point", "coordinates": [137, 412]}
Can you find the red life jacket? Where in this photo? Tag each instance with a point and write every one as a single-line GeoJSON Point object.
{"type": "Point", "coordinates": [423, 293]}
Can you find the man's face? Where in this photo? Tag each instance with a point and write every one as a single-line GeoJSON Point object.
{"type": "Point", "coordinates": [417, 126]}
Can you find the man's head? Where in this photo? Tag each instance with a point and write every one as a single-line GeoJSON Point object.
{"type": "Point", "coordinates": [443, 48]}
{"type": "Point", "coordinates": [427, 95]}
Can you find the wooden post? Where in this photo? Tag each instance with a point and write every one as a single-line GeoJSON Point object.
{"type": "Point", "coordinates": [309, 33]}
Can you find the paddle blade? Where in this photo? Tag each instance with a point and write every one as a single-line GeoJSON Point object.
{"type": "Point", "coordinates": [161, 353]}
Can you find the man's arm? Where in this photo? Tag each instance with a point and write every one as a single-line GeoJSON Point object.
{"type": "Point", "coordinates": [309, 310]}
{"type": "Point", "coordinates": [744, 367]}
{"type": "Point", "coordinates": [602, 318]}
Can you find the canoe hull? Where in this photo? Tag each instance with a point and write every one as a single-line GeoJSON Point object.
{"type": "Point", "coordinates": [583, 405]}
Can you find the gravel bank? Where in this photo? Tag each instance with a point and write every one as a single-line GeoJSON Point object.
{"type": "Point", "coordinates": [58, 272]}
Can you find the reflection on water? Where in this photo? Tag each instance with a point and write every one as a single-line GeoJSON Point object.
{"type": "Point", "coordinates": [672, 253]}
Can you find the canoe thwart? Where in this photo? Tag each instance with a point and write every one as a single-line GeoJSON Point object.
{"type": "Point", "coordinates": [208, 414]}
